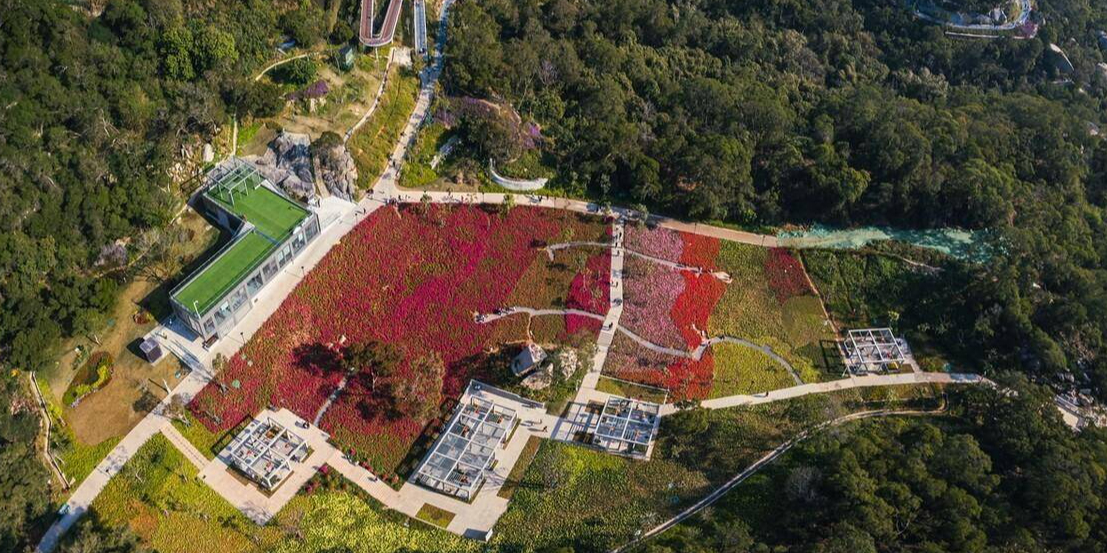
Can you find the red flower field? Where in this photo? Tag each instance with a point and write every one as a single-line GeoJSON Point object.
{"type": "Point", "coordinates": [687, 309]}
{"type": "Point", "coordinates": [406, 278]}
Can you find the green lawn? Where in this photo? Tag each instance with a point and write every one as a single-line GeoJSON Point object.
{"type": "Point", "coordinates": [632, 390]}
{"type": "Point", "coordinates": [796, 329]}
{"type": "Point", "coordinates": [225, 272]}
{"type": "Point", "coordinates": [272, 214]}
{"type": "Point", "coordinates": [78, 460]}
{"type": "Point", "coordinates": [515, 477]}
{"type": "Point", "coordinates": [371, 145]}
{"type": "Point", "coordinates": [209, 443]}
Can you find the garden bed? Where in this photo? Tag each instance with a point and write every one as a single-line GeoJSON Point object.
{"type": "Point", "coordinates": [158, 496]}
{"type": "Point", "coordinates": [770, 303]}
{"type": "Point", "coordinates": [412, 278]}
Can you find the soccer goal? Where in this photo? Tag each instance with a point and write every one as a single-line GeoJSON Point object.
{"type": "Point", "coordinates": [240, 180]}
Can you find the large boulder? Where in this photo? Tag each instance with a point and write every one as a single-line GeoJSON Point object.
{"type": "Point", "coordinates": [287, 164]}
{"type": "Point", "coordinates": [336, 168]}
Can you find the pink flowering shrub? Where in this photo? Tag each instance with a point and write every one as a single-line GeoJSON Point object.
{"type": "Point", "coordinates": [658, 242]}
{"type": "Point", "coordinates": [651, 291]}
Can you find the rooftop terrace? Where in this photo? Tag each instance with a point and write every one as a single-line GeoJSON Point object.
{"type": "Point", "coordinates": [238, 188]}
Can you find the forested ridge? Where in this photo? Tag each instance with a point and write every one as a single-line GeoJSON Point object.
{"type": "Point", "coordinates": [93, 114]}
{"type": "Point", "coordinates": [1004, 475]}
{"type": "Point", "coordinates": [94, 111]}
{"type": "Point", "coordinates": [845, 112]}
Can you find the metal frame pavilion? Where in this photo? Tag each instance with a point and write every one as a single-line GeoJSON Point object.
{"type": "Point", "coordinates": [628, 426]}
{"type": "Point", "coordinates": [264, 451]}
{"type": "Point", "coordinates": [457, 463]}
{"type": "Point", "coordinates": [872, 349]}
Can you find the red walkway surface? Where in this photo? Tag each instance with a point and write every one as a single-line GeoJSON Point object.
{"type": "Point", "coordinates": [388, 31]}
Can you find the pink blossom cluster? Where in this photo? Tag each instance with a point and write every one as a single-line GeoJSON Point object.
{"type": "Point", "coordinates": [656, 242]}
{"type": "Point", "coordinates": [650, 292]}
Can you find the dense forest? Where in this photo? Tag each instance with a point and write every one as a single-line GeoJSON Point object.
{"type": "Point", "coordinates": [93, 114]}
{"type": "Point", "coordinates": [1005, 475]}
{"type": "Point", "coordinates": [94, 111]}
{"type": "Point", "coordinates": [844, 112]}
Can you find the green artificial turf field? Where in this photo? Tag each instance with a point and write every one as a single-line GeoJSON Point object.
{"type": "Point", "coordinates": [225, 272]}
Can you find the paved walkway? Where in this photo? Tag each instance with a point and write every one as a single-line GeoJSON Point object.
{"type": "Point", "coordinates": [587, 390]}
{"type": "Point", "coordinates": [834, 385]}
{"type": "Point", "coordinates": [657, 260]}
{"type": "Point", "coordinates": [249, 499]}
{"type": "Point", "coordinates": [81, 499]}
{"type": "Point", "coordinates": [695, 354]}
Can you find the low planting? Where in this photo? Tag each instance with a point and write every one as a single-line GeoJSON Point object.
{"type": "Point", "coordinates": [770, 303]}
{"type": "Point", "coordinates": [373, 143]}
{"type": "Point", "coordinates": [411, 278]}
{"type": "Point", "coordinates": [435, 515]}
{"type": "Point", "coordinates": [158, 496]}
{"type": "Point", "coordinates": [744, 370]}
{"type": "Point", "coordinates": [92, 376]}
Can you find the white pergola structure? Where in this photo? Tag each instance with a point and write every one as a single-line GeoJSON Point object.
{"type": "Point", "coordinates": [628, 427]}
{"type": "Point", "coordinates": [873, 350]}
{"type": "Point", "coordinates": [265, 451]}
{"type": "Point", "coordinates": [457, 463]}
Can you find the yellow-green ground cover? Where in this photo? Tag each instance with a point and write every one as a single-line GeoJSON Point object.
{"type": "Point", "coordinates": [417, 167]}
{"type": "Point", "coordinates": [371, 145]}
{"type": "Point", "coordinates": [631, 390]}
{"type": "Point", "coordinates": [160, 498]}
{"type": "Point", "coordinates": [209, 443]}
{"type": "Point", "coordinates": [796, 328]}
{"type": "Point", "coordinates": [743, 370]}
{"type": "Point", "coordinates": [435, 515]}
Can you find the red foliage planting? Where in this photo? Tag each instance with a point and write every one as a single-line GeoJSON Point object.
{"type": "Point", "coordinates": [590, 291]}
{"type": "Point", "coordinates": [693, 307]}
{"type": "Point", "coordinates": [701, 291]}
{"type": "Point", "coordinates": [684, 378]}
{"type": "Point", "coordinates": [785, 274]}
{"type": "Point", "coordinates": [700, 251]}
{"type": "Point", "coordinates": [409, 279]}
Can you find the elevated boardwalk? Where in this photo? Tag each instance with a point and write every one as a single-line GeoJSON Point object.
{"type": "Point", "coordinates": [388, 30]}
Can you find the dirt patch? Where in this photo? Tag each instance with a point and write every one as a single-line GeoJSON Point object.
{"type": "Point", "coordinates": [135, 385]}
{"type": "Point", "coordinates": [351, 94]}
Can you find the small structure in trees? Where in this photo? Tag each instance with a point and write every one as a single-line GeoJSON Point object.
{"type": "Point", "coordinates": [873, 350]}
{"type": "Point", "coordinates": [528, 359]}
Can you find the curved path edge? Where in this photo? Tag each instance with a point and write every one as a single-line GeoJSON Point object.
{"type": "Point", "coordinates": [694, 355]}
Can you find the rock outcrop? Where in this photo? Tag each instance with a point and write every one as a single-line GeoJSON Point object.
{"type": "Point", "coordinates": [287, 164]}
{"type": "Point", "coordinates": [336, 169]}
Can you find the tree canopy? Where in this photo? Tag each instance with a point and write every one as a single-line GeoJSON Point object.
{"type": "Point", "coordinates": [838, 112]}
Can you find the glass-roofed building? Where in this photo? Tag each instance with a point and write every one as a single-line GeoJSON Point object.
{"type": "Point", "coordinates": [269, 229]}
{"type": "Point", "coordinates": [457, 463]}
